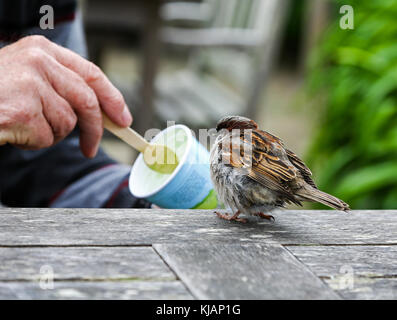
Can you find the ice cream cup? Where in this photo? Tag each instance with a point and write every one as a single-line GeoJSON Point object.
{"type": "Point", "coordinates": [189, 186]}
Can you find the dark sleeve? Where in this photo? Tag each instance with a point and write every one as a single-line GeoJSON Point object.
{"type": "Point", "coordinates": [18, 15]}
{"type": "Point", "coordinates": [35, 178]}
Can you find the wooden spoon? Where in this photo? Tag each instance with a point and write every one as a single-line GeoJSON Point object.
{"type": "Point", "coordinates": [157, 157]}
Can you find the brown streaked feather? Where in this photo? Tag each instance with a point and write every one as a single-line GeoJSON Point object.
{"type": "Point", "coordinates": [268, 177]}
{"type": "Point", "coordinates": [292, 157]}
{"type": "Point", "coordinates": [266, 157]}
{"type": "Point", "coordinates": [268, 168]}
{"type": "Point", "coordinates": [315, 195]}
{"type": "Point", "coordinates": [270, 181]}
{"type": "Point", "coordinates": [303, 169]}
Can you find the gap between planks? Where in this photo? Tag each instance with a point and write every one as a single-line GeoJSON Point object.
{"type": "Point", "coordinates": [337, 244]}
{"type": "Point", "coordinates": [386, 276]}
{"type": "Point", "coordinates": [191, 242]}
{"type": "Point", "coordinates": [75, 245]}
{"type": "Point", "coordinates": [174, 272]}
{"type": "Point", "coordinates": [93, 280]}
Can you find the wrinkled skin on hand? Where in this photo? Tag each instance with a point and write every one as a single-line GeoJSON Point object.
{"type": "Point", "coordinates": [45, 90]}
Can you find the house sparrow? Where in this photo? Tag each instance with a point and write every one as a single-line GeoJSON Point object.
{"type": "Point", "coordinates": [254, 173]}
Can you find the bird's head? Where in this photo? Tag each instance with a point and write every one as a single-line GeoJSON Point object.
{"type": "Point", "coordinates": [235, 122]}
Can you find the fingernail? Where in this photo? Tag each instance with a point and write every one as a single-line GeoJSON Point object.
{"type": "Point", "coordinates": [126, 116]}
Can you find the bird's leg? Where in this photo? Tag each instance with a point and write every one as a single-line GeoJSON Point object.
{"type": "Point", "coordinates": [230, 218]}
{"type": "Point", "coordinates": [236, 218]}
{"type": "Point", "coordinates": [222, 215]}
{"type": "Point", "coordinates": [265, 216]}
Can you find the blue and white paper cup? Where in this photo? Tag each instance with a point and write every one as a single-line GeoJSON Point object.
{"type": "Point", "coordinates": [188, 186]}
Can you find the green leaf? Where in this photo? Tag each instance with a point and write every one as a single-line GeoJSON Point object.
{"type": "Point", "coordinates": [368, 179]}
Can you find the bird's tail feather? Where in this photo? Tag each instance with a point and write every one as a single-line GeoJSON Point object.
{"type": "Point", "coordinates": [315, 195]}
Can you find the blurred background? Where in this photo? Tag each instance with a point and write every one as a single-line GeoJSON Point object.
{"type": "Point", "coordinates": [329, 93]}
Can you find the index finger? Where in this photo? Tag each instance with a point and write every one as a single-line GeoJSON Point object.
{"type": "Point", "coordinates": [110, 99]}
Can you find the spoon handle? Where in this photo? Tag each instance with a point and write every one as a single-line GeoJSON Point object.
{"type": "Point", "coordinates": [129, 136]}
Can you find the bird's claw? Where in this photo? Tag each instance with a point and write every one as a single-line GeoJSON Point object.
{"type": "Point", "coordinates": [266, 216]}
{"type": "Point", "coordinates": [234, 217]}
{"type": "Point", "coordinates": [222, 215]}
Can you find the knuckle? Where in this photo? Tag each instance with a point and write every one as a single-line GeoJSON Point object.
{"type": "Point", "coordinates": [45, 139]}
{"type": "Point", "coordinates": [90, 101]}
{"type": "Point", "coordinates": [63, 121]}
{"type": "Point", "coordinates": [117, 99]}
{"type": "Point", "coordinates": [94, 73]}
{"type": "Point", "coordinates": [23, 116]}
{"type": "Point", "coordinates": [64, 128]}
{"type": "Point", "coordinates": [69, 124]}
{"type": "Point", "coordinates": [114, 102]}
{"type": "Point", "coordinates": [27, 81]}
{"type": "Point", "coordinates": [97, 125]}
{"type": "Point", "coordinates": [34, 55]}
{"type": "Point", "coordinates": [36, 40]}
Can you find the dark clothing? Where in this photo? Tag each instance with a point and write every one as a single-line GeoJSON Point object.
{"type": "Point", "coordinates": [17, 16]}
{"type": "Point", "coordinates": [32, 178]}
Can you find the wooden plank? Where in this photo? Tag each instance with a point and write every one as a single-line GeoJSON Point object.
{"type": "Point", "coordinates": [356, 272]}
{"type": "Point", "coordinates": [242, 271]}
{"type": "Point", "coordinates": [375, 261]}
{"type": "Point", "coordinates": [130, 290]}
{"type": "Point", "coordinates": [92, 264]}
{"type": "Point", "coordinates": [367, 288]}
{"type": "Point", "coordinates": [146, 226]}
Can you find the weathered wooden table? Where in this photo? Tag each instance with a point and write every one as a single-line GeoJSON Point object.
{"type": "Point", "coordinates": [190, 254]}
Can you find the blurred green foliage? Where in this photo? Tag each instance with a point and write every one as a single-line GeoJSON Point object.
{"type": "Point", "coordinates": [354, 154]}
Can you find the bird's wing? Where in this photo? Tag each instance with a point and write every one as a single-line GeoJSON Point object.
{"type": "Point", "coordinates": [270, 165]}
{"type": "Point", "coordinates": [303, 169]}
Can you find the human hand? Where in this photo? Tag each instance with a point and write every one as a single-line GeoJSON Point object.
{"type": "Point", "coordinates": [46, 89]}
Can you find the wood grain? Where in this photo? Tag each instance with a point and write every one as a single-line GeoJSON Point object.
{"type": "Point", "coordinates": [242, 271]}
{"type": "Point", "coordinates": [96, 290]}
{"type": "Point", "coordinates": [140, 226]}
{"type": "Point", "coordinates": [356, 272]}
{"type": "Point", "coordinates": [93, 264]}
